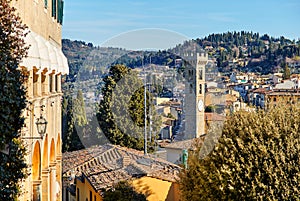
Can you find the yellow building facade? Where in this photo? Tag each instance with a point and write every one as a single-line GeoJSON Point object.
{"type": "Point", "coordinates": [157, 189]}
{"type": "Point", "coordinates": [43, 69]}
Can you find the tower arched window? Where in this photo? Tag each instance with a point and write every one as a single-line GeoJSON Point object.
{"type": "Point", "coordinates": [200, 74]}
{"type": "Point", "coordinates": [200, 88]}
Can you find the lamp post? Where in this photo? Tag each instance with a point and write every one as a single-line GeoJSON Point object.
{"type": "Point", "coordinates": [41, 124]}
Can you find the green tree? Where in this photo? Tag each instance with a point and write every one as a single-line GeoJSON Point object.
{"type": "Point", "coordinates": [123, 191]}
{"type": "Point", "coordinates": [256, 158]}
{"type": "Point", "coordinates": [121, 112]}
{"type": "Point", "coordinates": [12, 101]}
{"type": "Point", "coordinates": [71, 140]}
{"type": "Point", "coordinates": [79, 109]}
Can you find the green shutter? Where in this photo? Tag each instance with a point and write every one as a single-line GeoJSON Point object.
{"type": "Point", "coordinates": [54, 8]}
{"type": "Point", "coordinates": [46, 3]}
{"type": "Point", "coordinates": [58, 11]}
{"type": "Point", "coordinates": [62, 12]}
{"type": "Point", "coordinates": [60, 8]}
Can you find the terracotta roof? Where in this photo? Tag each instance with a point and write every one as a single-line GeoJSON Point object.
{"type": "Point", "coordinates": [214, 117]}
{"type": "Point", "coordinates": [106, 165]}
{"type": "Point", "coordinates": [184, 144]}
{"type": "Point", "coordinates": [261, 90]}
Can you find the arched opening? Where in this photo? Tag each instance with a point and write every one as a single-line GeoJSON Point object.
{"type": "Point", "coordinates": [36, 162]}
{"type": "Point", "coordinates": [52, 151]}
{"type": "Point", "coordinates": [36, 171]}
{"type": "Point", "coordinates": [45, 154]}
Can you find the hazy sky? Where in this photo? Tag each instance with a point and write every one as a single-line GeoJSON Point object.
{"type": "Point", "coordinates": [97, 21]}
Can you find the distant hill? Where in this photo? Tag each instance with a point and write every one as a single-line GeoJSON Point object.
{"type": "Point", "coordinates": [86, 60]}
{"type": "Point", "coordinates": [242, 51]}
{"type": "Point", "coordinates": [246, 51]}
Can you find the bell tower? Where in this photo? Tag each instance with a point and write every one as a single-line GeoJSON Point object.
{"type": "Point", "coordinates": [194, 94]}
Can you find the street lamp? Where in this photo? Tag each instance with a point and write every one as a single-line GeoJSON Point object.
{"type": "Point", "coordinates": [41, 124]}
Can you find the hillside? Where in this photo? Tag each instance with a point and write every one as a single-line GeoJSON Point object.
{"type": "Point", "coordinates": [242, 51]}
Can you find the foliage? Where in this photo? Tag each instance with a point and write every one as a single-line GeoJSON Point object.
{"type": "Point", "coordinates": [79, 109]}
{"type": "Point", "coordinates": [123, 191]}
{"type": "Point", "coordinates": [121, 112]}
{"type": "Point", "coordinates": [12, 100]}
{"type": "Point", "coordinates": [71, 140]}
{"type": "Point", "coordinates": [256, 158]}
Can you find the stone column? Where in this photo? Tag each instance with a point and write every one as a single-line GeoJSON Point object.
{"type": "Point", "coordinates": [39, 84]}
{"type": "Point", "coordinates": [53, 182]}
{"type": "Point", "coordinates": [36, 190]}
{"type": "Point", "coordinates": [58, 175]}
{"type": "Point", "coordinates": [58, 83]}
{"type": "Point", "coordinates": [53, 82]}
{"type": "Point", "coordinates": [30, 84]}
{"type": "Point", "coordinates": [45, 185]}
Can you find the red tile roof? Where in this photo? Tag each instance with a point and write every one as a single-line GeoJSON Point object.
{"type": "Point", "coordinates": [106, 165]}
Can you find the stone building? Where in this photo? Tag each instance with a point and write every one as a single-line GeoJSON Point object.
{"type": "Point", "coordinates": [43, 69]}
{"type": "Point", "coordinates": [194, 101]}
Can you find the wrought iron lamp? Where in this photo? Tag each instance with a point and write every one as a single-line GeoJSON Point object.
{"type": "Point", "coordinates": [41, 125]}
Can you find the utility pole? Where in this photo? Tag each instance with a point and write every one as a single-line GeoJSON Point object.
{"type": "Point", "coordinates": [145, 109]}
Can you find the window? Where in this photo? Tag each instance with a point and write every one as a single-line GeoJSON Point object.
{"type": "Point", "coordinates": [44, 84]}
{"type": "Point", "coordinates": [200, 88]}
{"type": "Point", "coordinates": [91, 196]}
{"type": "Point", "coordinates": [56, 82]}
{"type": "Point", "coordinates": [274, 99]}
{"type": "Point", "coordinates": [51, 80]}
{"type": "Point", "coordinates": [46, 3]}
{"type": "Point", "coordinates": [200, 74]}
{"type": "Point", "coordinates": [95, 199]}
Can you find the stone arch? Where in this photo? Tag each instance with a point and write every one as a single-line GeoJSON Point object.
{"type": "Point", "coordinates": [36, 171]}
{"type": "Point", "coordinates": [36, 162]}
{"type": "Point", "coordinates": [52, 151]}
{"type": "Point", "coordinates": [45, 158]}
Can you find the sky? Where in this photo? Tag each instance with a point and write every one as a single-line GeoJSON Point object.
{"type": "Point", "coordinates": [102, 21]}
